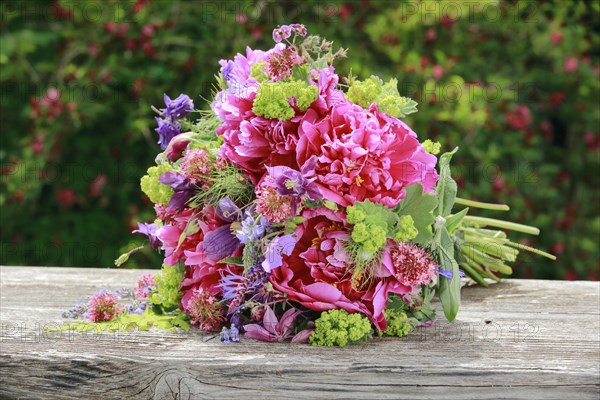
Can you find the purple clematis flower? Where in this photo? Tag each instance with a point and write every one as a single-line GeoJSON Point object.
{"type": "Point", "coordinates": [150, 231]}
{"type": "Point", "coordinates": [166, 132]}
{"type": "Point", "coordinates": [177, 108]}
{"type": "Point", "coordinates": [228, 211]}
{"type": "Point", "coordinates": [281, 245]}
{"type": "Point", "coordinates": [273, 330]}
{"type": "Point", "coordinates": [296, 184]}
{"type": "Point", "coordinates": [183, 188]}
{"type": "Point", "coordinates": [220, 243]}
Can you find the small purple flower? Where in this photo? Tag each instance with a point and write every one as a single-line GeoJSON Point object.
{"type": "Point", "coordinates": [177, 108]}
{"type": "Point", "coordinates": [281, 245]}
{"type": "Point", "coordinates": [150, 231]}
{"type": "Point", "coordinates": [448, 274]}
{"type": "Point", "coordinates": [283, 32]}
{"type": "Point", "coordinates": [183, 188]}
{"type": "Point", "coordinates": [299, 29]}
{"type": "Point", "coordinates": [166, 132]}
{"type": "Point", "coordinates": [225, 338]}
{"type": "Point", "coordinates": [234, 333]}
{"type": "Point", "coordinates": [226, 71]}
{"type": "Point", "coordinates": [250, 231]}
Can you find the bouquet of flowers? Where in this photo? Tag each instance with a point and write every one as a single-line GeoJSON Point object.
{"type": "Point", "coordinates": [301, 207]}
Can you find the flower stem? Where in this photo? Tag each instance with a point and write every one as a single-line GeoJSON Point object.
{"type": "Point", "coordinates": [531, 249]}
{"type": "Point", "coordinates": [480, 221]}
{"type": "Point", "coordinates": [478, 204]}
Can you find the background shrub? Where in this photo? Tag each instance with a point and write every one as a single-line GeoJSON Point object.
{"type": "Point", "coordinates": [513, 83]}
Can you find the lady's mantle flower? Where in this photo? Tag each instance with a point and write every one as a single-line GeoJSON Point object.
{"type": "Point", "coordinates": [273, 330]}
{"type": "Point", "coordinates": [103, 306]}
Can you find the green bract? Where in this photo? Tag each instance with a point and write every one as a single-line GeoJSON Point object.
{"type": "Point", "coordinates": [387, 97]}
{"type": "Point", "coordinates": [338, 328]}
{"type": "Point", "coordinates": [157, 192]}
{"type": "Point", "coordinates": [272, 99]}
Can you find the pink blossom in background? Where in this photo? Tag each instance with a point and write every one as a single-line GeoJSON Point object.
{"type": "Point", "coordinates": [571, 64]}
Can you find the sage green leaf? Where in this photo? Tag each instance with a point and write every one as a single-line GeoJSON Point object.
{"type": "Point", "coordinates": [446, 186]}
{"type": "Point", "coordinates": [449, 289]}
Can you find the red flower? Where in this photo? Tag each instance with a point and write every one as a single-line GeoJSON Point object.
{"type": "Point", "coordinates": [519, 118]}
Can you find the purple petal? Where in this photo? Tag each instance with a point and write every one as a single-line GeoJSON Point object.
{"type": "Point", "coordinates": [270, 321]}
{"type": "Point", "coordinates": [150, 231]}
{"type": "Point", "coordinates": [179, 199]}
{"type": "Point", "coordinates": [176, 180]}
{"type": "Point", "coordinates": [227, 210]}
{"type": "Point", "coordinates": [220, 243]}
{"type": "Point", "coordinates": [257, 332]}
{"type": "Point", "coordinates": [302, 336]}
{"type": "Point", "coordinates": [287, 321]}
{"type": "Point", "coordinates": [281, 245]}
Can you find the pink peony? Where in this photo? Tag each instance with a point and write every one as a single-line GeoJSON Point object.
{"type": "Point", "coordinates": [364, 155]}
{"type": "Point", "coordinates": [317, 276]}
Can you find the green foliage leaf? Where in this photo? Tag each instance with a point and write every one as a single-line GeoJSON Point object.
{"type": "Point", "coordinates": [454, 221]}
{"type": "Point", "coordinates": [419, 206]}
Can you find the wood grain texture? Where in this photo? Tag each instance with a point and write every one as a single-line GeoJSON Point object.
{"type": "Point", "coordinates": [519, 339]}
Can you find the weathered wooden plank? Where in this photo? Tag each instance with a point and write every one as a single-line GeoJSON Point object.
{"type": "Point", "coordinates": [519, 339]}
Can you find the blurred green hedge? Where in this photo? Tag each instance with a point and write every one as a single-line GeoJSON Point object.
{"type": "Point", "coordinates": [513, 83]}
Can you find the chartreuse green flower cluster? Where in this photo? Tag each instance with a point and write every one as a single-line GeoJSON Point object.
{"type": "Point", "coordinates": [167, 294]}
{"type": "Point", "coordinates": [338, 328]}
{"type": "Point", "coordinates": [386, 95]}
{"type": "Point", "coordinates": [373, 225]}
{"type": "Point", "coordinates": [257, 71]}
{"type": "Point", "coordinates": [272, 99]}
{"type": "Point", "coordinates": [406, 229]}
{"type": "Point", "coordinates": [157, 192]}
{"type": "Point", "coordinates": [432, 147]}
{"type": "Point", "coordinates": [399, 324]}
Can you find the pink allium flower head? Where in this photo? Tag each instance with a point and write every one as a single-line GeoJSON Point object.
{"type": "Point", "coordinates": [205, 310]}
{"type": "Point", "coordinates": [272, 205]}
{"type": "Point", "coordinates": [409, 264]}
{"type": "Point", "coordinates": [195, 164]}
{"type": "Point", "coordinates": [280, 63]}
{"type": "Point", "coordinates": [103, 306]}
{"type": "Point", "coordinates": [364, 154]}
{"type": "Point", "coordinates": [145, 286]}
{"type": "Point", "coordinates": [556, 37]}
